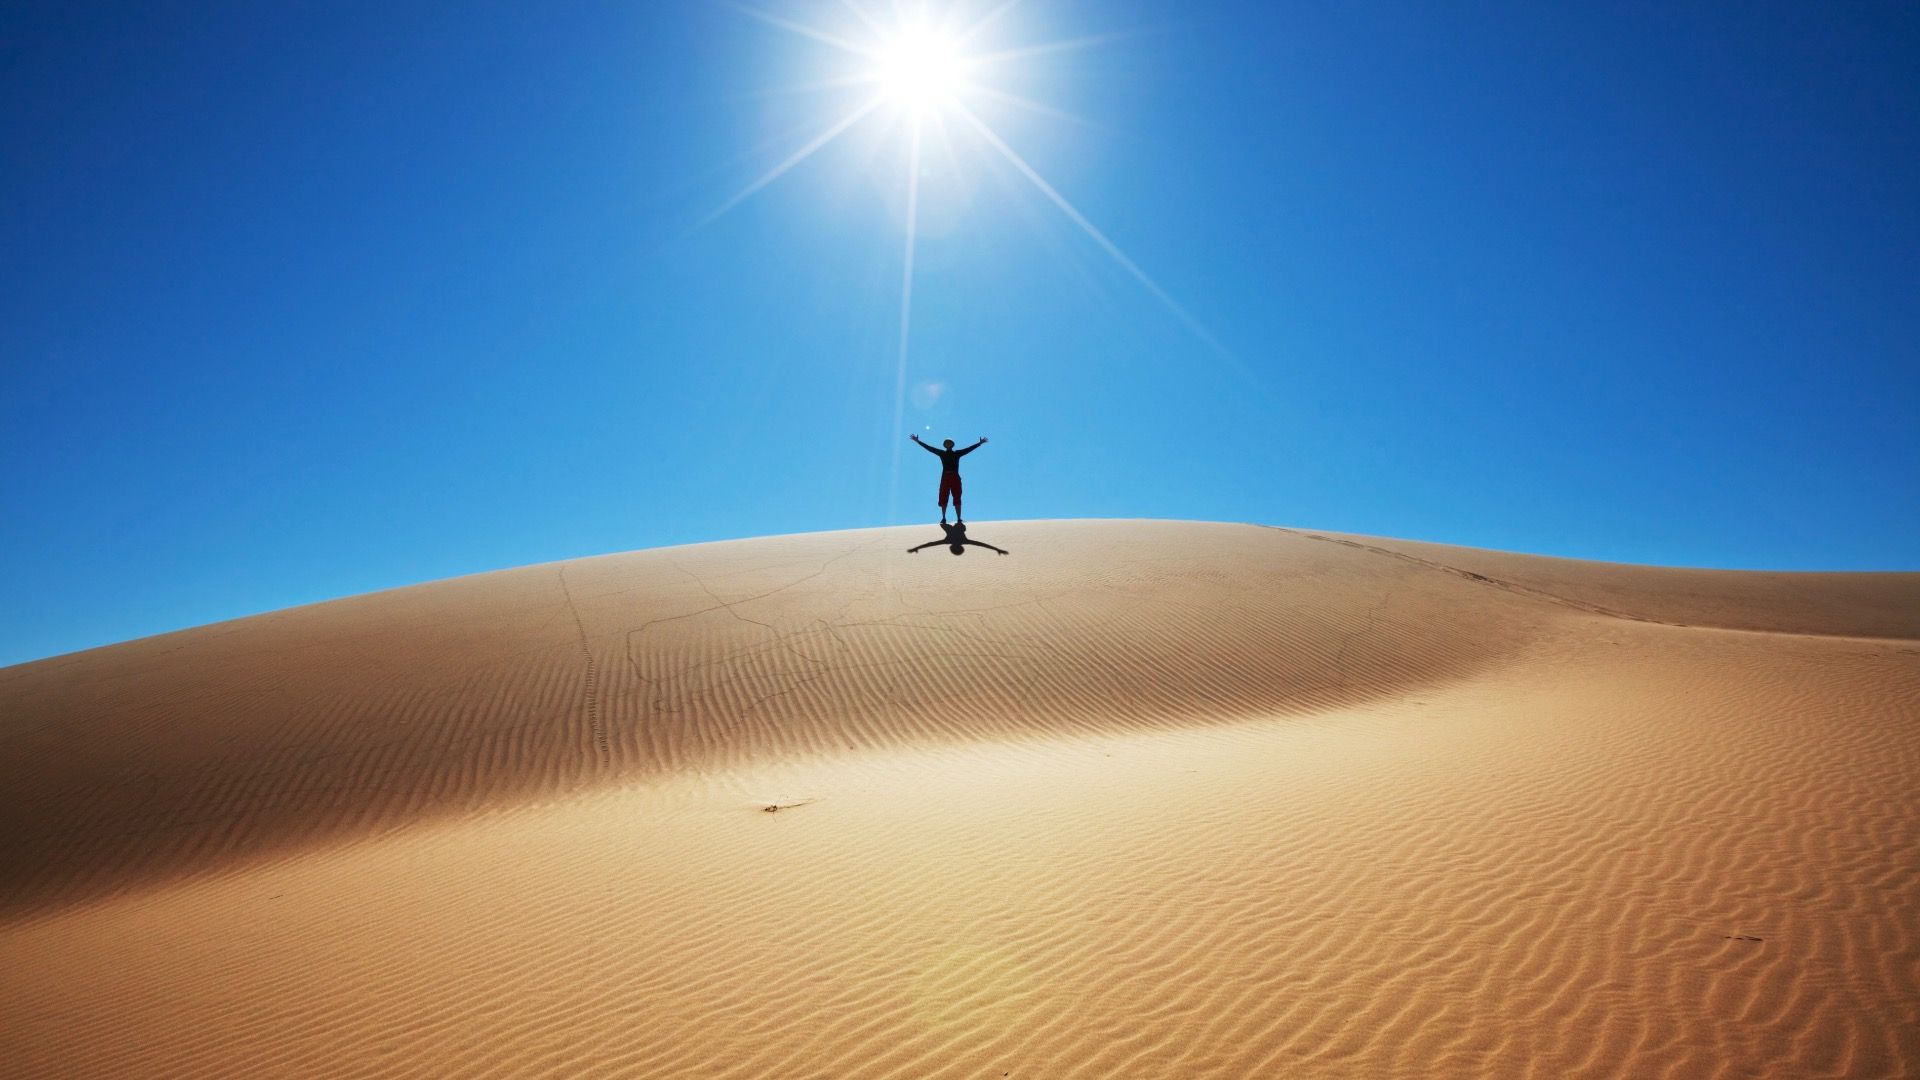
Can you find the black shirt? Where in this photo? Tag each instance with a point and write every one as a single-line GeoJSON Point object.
{"type": "Point", "coordinates": [949, 459]}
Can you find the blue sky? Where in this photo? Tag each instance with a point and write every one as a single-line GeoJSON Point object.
{"type": "Point", "coordinates": [307, 300]}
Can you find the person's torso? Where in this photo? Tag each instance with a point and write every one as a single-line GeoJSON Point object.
{"type": "Point", "coordinates": [949, 460]}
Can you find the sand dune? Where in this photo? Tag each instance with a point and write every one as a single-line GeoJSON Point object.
{"type": "Point", "coordinates": [1142, 799]}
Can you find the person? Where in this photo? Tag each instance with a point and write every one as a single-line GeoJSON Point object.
{"type": "Point", "coordinates": [956, 540]}
{"type": "Point", "coordinates": [949, 473]}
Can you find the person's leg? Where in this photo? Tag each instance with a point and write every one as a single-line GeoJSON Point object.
{"type": "Point", "coordinates": [958, 516]}
{"type": "Point", "coordinates": [943, 498]}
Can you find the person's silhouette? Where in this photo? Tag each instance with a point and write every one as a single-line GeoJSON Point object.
{"type": "Point", "coordinates": [956, 540]}
{"type": "Point", "coordinates": [949, 473]}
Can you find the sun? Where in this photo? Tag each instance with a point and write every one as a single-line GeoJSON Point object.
{"type": "Point", "coordinates": [927, 67]}
{"type": "Point", "coordinates": [927, 77]}
{"type": "Point", "coordinates": [920, 68]}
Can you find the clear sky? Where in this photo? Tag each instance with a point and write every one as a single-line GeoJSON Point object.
{"type": "Point", "coordinates": [305, 300]}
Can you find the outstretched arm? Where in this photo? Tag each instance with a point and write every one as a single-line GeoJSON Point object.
{"type": "Point", "coordinates": [975, 446]}
{"type": "Point", "coordinates": [979, 543]}
{"type": "Point", "coordinates": [928, 544]}
{"type": "Point", "coordinates": [923, 446]}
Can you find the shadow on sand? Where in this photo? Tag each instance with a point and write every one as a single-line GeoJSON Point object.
{"type": "Point", "coordinates": [956, 541]}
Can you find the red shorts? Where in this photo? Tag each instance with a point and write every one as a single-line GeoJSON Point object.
{"type": "Point", "coordinates": [949, 482]}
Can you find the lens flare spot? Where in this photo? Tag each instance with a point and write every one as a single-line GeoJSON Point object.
{"type": "Point", "coordinates": [928, 394]}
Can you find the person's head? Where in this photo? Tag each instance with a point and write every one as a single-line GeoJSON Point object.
{"type": "Point", "coordinates": [957, 549]}
{"type": "Point", "coordinates": [948, 443]}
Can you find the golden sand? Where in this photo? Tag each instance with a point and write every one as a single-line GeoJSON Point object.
{"type": "Point", "coordinates": [1141, 799]}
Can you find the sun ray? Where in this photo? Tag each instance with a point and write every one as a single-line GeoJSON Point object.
{"type": "Point", "coordinates": [1113, 250]}
{"type": "Point", "coordinates": [1044, 48]}
{"type": "Point", "coordinates": [801, 29]}
{"type": "Point", "coordinates": [831, 133]}
{"type": "Point", "coordinates": [977, 90]}
{"type": "Point", "coordinates": [872, 24]}
{"type": "Point", "coordinates": [968, 33]}
{"type": "Point", "coordinates": [906, 310]}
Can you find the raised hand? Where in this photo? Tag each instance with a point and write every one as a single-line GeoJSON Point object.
{"type": "Point", "coordinates": [983, 439]}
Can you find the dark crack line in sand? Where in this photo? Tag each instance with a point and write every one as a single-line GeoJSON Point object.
{"type": "Point", "coordinates": [1347, 639]}
{"type": "Point", "coordinates": [1498, 583]}
{"type": "Point", "coordinates": [593, 676]}
{"type": "Point", "coordinates": [634, 665]}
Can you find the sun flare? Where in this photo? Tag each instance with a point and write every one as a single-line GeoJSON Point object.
{"type": "Point", "coordinates": [926, 77]}
{"type": "Point", "coordinates": [920, 68]}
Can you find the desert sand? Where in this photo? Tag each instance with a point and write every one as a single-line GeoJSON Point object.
{"type": "Point", "coordinates": [1140, 799]}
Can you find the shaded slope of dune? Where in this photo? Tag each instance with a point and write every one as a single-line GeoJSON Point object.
{"type": "Point", "coordinates": [1143, 799]}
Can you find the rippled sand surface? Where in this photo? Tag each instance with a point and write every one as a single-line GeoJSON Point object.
{"type": "Point", "coordinates": [1140, 799]}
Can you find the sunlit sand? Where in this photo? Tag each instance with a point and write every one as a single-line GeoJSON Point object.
{"type": "Point", "coordinates": [1138, 799]}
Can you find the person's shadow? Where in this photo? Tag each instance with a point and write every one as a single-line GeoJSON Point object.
{"type": "Point", "coordinates": [956, 541]}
